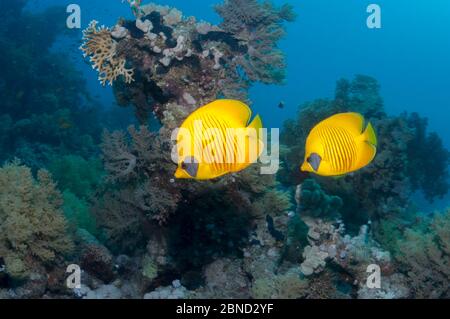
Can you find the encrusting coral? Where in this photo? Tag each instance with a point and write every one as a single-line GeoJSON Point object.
{"type": "Point", "coordinates": [32, 227]}
{"type": "Point", "coordinates": [101, 49]}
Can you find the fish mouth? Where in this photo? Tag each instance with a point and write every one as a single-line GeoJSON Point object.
{"type": "Point", "coordinates": [314, 161]}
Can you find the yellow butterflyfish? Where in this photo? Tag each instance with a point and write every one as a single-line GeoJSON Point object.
{"type": "Point", "coordinates": [340, 145]}
{"type": "Point", "coordinates": [217, 139]}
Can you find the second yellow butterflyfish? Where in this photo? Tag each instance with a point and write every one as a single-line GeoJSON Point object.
{"type": "Point", "coordinates": [217, 139]}
{"type": "Point", "coordinates": [340, 145]}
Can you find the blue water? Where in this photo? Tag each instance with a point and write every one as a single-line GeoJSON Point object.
{"type": "Point", "coordinates": [409, 55]}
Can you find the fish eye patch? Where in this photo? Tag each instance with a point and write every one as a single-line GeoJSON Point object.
{"type": "Point", "coordinates": [314, 160]}
{"type": "Point", "coordinates": [191, 166]}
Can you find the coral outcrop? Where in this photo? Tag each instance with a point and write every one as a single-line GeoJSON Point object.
{"type": "Point", "coordinates": [184, 63]}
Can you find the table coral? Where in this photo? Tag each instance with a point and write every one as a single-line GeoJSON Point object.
{"type": "Point", "coordinates": [32, 227]}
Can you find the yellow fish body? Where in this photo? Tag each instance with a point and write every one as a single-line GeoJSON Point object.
{"type": "Point", "coordinates": [216, 140]}
{"type": "Point", "coordinates": [340, 145]}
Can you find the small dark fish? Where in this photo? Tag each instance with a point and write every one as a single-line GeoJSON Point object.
{"type": "Point", "coordinates": [281, 105]}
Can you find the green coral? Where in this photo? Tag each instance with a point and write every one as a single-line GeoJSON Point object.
{"type": "Point", "coordinates": [32, 226]}
{"type": "Point", "coordinates": [75, 174]}
{"type": "Point", "coordinates": [78, 213]}
{"type": "Point", "coordinates": [296, 239]}
{"type": "Point", "coordinates": [149, 268]}
{"type": "Point", "coordinates": [316, 203]}
{"type": "Point", "coordinates": [408, 159]}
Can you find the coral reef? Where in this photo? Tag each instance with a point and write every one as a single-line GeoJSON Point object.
{"type": "Point", "coordinates": [384, 188]}
{"type": "Point", "coordinates": [282, 286]}
{"type": "Point", "coordinates": [140, 233]}
{"type": "Point", "coordinates": [184, 63]}
{"type": "Point", "coordinates": [423, 253]}
{"type": "Point", "coordinates": [175, 291]}
{"type": "Point", "coordinates": [315, 202]}
{"type": "Point", "coordinates": [56, 114]}
{"type": "Point", "coordinates": [32, 228]}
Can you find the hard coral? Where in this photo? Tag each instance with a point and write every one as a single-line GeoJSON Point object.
{"type": "Point", "coordinates": [32, 227]}
{"type": "Point", "coordinates": [101, 48]}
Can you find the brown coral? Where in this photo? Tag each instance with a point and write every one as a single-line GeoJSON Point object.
{"type": "Point", "coordinates": [101, 49]}
{"type": "Point", "coordinates": [426, 257]}
{"type": "Point", "coordinates": [32, 227]}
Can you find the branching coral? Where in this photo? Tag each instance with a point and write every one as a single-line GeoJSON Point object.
{"type": "Point", "coordinates": [32, 227]}
{"type": "Point", "coordinates": [259, 27]}
{"type": "Point", "coordinates": [144, 157]}
{"type": "Point", "coordinates": [428, 160]}
{"type": "Point", "coordinates": [101, 49]}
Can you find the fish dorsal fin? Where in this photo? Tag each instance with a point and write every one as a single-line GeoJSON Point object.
{"type": "Point", "coordinates": [235, 110]}
{"type": "Point", "coordinates": [352, 122]}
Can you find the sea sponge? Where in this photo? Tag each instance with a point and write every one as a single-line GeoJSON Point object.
{"type": "Point", "coordinates": [32, 227]}
{"type": "Point", "coordinates": [101, 49]}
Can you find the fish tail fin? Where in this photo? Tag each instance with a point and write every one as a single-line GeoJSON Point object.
{"type": "Point", "coordinates": [370, 136]}
{"type": "Point", "coordinates": [257, 125]}
{"type": "Point", "coordinates": [369, 146]}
